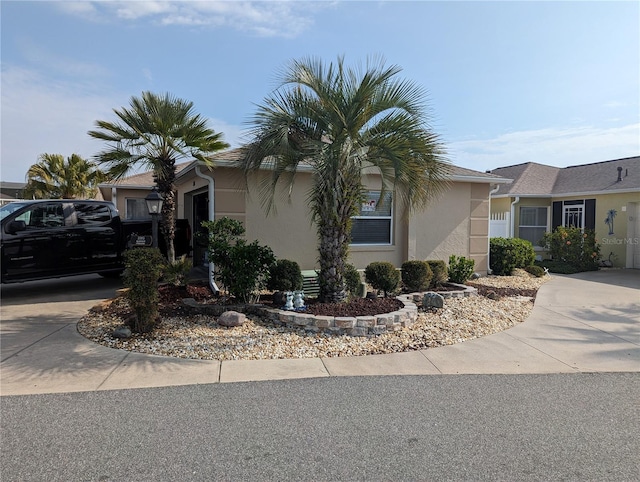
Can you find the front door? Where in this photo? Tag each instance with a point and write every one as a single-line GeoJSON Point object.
{"type": "Point", "coordinates": [200, 214]}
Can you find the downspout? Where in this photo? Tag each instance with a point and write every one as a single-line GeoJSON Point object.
{"type": "Point", "coordinates": [212, 184]}
{"type": "Point", "coordinates": [512, 221]}
{"type": "Point", "coordinates": [491, 193]}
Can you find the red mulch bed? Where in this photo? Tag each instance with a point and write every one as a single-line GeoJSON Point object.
{"type": "Point", "coordinates": [171, 302]}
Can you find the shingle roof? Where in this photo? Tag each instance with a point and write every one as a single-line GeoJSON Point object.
{"type": "Point", "coordinates": [538, 179]}
{"type": "Point", "coordinates": [601, 176]}
{"type": "Point", "coordinates": [143, 179]}
{"type": "Point", "coordinates": [229, 158]}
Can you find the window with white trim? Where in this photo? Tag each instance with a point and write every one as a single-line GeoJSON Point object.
{"type": "Point", "coordinates": [136, 208]}
{"type": "Point", "coordinates": [573, 214]}
{"type": "Point", "coordinates": [374, 222]}
{"type": "Point", "coordinates": [533, 223]}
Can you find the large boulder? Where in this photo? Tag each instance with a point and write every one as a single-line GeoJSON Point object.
{"type": "Point", "coordinates": [432, 300]}
{"type": "Point", "coordinates": [231, 318]}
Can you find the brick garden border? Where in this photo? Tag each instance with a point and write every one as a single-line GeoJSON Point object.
{"type": "Point", "coordinates": [353, 326]}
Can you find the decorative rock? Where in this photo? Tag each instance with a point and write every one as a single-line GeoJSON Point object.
{"type": "Point", "coordinates": [475, 276]}
{"type": "Point", "coordinates": [121, 332]}
{"type": "Point", "coordinates": [231, 318]}
{"type": "Point", "coordinates": [432, 300]}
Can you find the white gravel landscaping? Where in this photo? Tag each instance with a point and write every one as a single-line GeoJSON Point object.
{"type": "Point", "coordinates": [200, 336]}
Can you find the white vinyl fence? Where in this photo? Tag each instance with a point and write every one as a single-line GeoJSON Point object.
{"type": "Point", "coordinates": [499, 225]}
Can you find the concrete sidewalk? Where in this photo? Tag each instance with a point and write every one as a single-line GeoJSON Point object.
{"type": "Point", "coordinates": [581, 323]}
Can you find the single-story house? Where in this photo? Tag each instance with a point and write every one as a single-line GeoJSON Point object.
{"type": "Point", "coordinates": [457, 222]}
{"type": "Point", "coordinates": [603, 196]}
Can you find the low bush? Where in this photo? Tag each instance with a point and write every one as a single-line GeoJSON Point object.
{"type": "Point", "coordinates": [285, 275]}
{"type": "Point", "coordinates": [460, 268]}
{"type": "Point", "coordinates": [382, 276]}
{"type": "Point", "coordinates": [506, 254]}
{"type": "Point", "coordinates": [416, 275]}
{"type": "Point", "coordinates": [559, 267]}
{"type": "Point", "coordinates": [352, 280]}
{"type": "Point", "coordinates": [439, 271]}
{"type": "Point", "coordinates": [243, 269]}
{"type": "Point", "coordinates": [143, 268]}
{"type": "Point", "coordinates": [536, 271]}
{"type": "Point", "coordinates": [574, 247]}
{"type": "Point", "coordinates": [177, 273]}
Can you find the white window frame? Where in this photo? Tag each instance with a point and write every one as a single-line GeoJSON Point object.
{"type": "Point", "coordinates": [369, 198]}
{"type": "Point", "coordinates": [545, 226]}
{"type": "Point", "coordinates": [574, 208]}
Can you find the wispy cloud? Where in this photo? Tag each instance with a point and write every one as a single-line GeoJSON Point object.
{"type": "Point", "coordinates": [554, 146]}
{"type": "Point", "coordinates": [262, 18]}
{"type": "Point", "coordinates": [44, 116]}
{"type": "Point", "coordinates": [40, 115]}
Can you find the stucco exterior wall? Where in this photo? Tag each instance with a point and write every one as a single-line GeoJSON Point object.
{"type": "Point", "coordinates": [455, 223]}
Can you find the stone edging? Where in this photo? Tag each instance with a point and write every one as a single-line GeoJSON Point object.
{"type": "Point", "coordinates": [354, 326]}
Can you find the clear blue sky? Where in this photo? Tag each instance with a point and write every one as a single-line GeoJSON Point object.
{"type": "Point", "coordinates": [509, 82]}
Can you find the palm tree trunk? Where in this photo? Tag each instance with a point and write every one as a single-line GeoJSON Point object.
{"type": "Point", "coordinates": [333, 257]}
{"type": "Point", "coordinates": [165, 179]}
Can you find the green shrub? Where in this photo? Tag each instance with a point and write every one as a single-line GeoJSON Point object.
{"type": "Point", "coordinates": [536, 271]}
{"type": "Point", "coordinates": [247, 271]}
{"type": "Point", "coordinates": [559, 267]}
{"type": "Point", "coordinates": [241, 268]}
{"type": "Point", "coordinates": [285, 275]}
{"type": "Point", "coordinates": [352, 280]}
{"type": "Point", "coordinates": [574, 247]}
{"type": "Point", "coordinates": [460, 268]}
{"type": "Point", "coordinates": [416, 275]}
{"type": "Point", "coordinates": [506, 254]}
{"type": "Point", "coordinates": [440, 272]}
{"type": "Point", "coordinates": [176, 273]}
{"type": "Point", "coordinates": [143, 268]}
{"type": "Point", "coordinates": [382, 275]}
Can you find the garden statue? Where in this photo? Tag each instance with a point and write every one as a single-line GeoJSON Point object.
{"type": "Point", "coordinates": [298, 300]}
{"type": "Point", "coordinates": [289, 304]}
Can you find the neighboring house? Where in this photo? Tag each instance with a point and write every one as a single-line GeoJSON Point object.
{"type": "Point", "coordinates": [457, 222]}
{"type": "Point", "coordinates": [603, 196]}
{"type": "Point", "coordinates": [10, 191]}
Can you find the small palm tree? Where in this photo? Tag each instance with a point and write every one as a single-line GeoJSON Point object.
{"type": "Point", "coordinates": [155, 132]}
{"type": "Point", "coordinates": [54, 177]}
{"type": "Point", "coordinates": [339, 121]}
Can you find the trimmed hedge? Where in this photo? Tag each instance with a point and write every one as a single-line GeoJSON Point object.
{"type": "Point", "coordinates": [440, 272]}
{"type": "Point", "coordinates": [506, 254]}
{"type": "Point", "coordinates": [285, 275]}
{"type": "Point", "coordinates": [382, 276]}
{"type": "Point", "coordinates": [416, 275]}
{"type": "Point", "coordinates": [351, 279]}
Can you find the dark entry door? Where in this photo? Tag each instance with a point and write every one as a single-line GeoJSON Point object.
{"type": "Point", "coordinates": [200, 213]}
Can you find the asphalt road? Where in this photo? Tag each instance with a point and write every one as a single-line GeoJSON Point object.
{"type": "Point", "coordinates": [488, 427]}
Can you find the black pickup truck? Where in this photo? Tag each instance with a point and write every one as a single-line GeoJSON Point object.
{"type": "Point", "coordinates": [54, 238]}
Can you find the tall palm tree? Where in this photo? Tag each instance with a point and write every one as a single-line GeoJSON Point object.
{"type": "Point", "coordinates": [155, 132]}
{"type": "Point", "coordinates": [53, 177]}
{"type": "Point", "coordinates": [338, 121]}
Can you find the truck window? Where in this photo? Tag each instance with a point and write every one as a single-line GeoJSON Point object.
{"type": "Point", "coordinates": [89, 213]}
{"type": "Point", "coordinates": [43, 216]}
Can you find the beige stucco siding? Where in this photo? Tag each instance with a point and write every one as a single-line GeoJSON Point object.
{"type": "Point", "coordinates": [455, 223]}
{"type": "Point", "coordinates": [618, 241]}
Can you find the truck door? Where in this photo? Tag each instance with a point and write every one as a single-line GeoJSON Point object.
{"type": "Point", "coordinates": [100, 237]}
{"type": "Point", "coordinates": [41, 248]}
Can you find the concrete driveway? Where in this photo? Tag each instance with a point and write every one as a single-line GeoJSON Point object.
{"type": "Point", "coordinates": [588, 322]}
